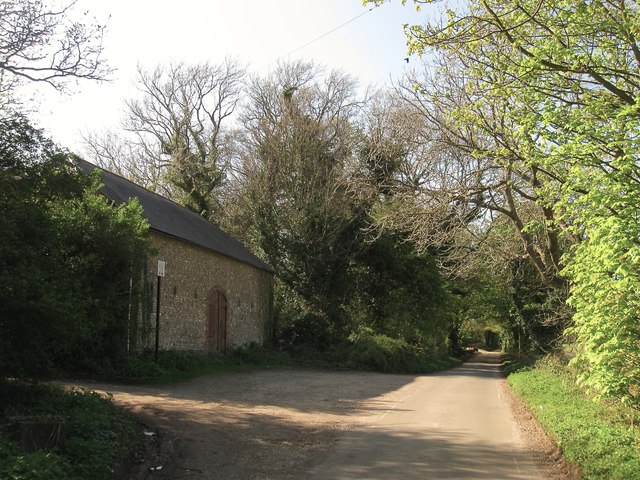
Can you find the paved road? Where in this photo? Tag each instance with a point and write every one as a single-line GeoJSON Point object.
{"type": "Point", "coordinates": [321, 425]}
{"type": "Point", "coordinates": [452, 425]}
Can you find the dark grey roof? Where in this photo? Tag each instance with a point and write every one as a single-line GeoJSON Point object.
{"type": "Point", "coordinates": [171, 219]}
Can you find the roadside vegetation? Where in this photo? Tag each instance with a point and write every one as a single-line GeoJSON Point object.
{"type": "Point", "coordinates": [600, 437]}
{"type": "Point", "coordinates": [366, 352]}
{"type": "Point", "coordinates": [48, 433]}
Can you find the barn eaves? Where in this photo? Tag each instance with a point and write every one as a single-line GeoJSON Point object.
{"type": "Point", "coordinates": [171, 219]}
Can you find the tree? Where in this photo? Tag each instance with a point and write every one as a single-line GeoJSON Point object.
{"type": "Point", "coordinates": [316, 161]}
{"type": "Point", "coordinates": [66, 259]}
{"type": "Point", "coordinates": [451, 195]}
{"type": "Point", "coordinates": [565, 74]}
{"type": "Point", "coordinates": [480, 169]}
{"type": "Point", "coordinates": [40, 44]}
{"type": "Point", "coordinates": [175, 142]}
{"type": "Point", "coordinates": [299, 139]}
{"type": "Point", "coordinates": [400, 285]}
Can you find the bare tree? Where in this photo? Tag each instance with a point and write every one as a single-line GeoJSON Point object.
{"type": "Point", "coordinates": [450, 187]}
{"type": "Point", "coordinates": [40, 44]}
{"type": "Point", "coordinates": [117, 153]}
{"type": "Point", "coordinates": [173, 136]}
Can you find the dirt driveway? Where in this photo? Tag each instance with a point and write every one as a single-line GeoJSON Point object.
{"type": "Point", "coordinates": [265, 424]}
{"type": "Point", "coordinates": [256, 425]}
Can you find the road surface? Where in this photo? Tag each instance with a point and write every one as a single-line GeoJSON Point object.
{"type": "Point", "coordinates": [452, 425]}
{"type": "Point", "coordinates": [320, 425]}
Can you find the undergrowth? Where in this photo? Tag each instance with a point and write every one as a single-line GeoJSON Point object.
{"type": "Point", "coordinates": [96, 435]}
{"type": "Point", "coordinates": [364, 351]}
{"type": "Point", "coordinates": [595, 435]}
{"type": "Point", "coordinates": [367, 350]}
{"type": "Point", "coordinates": [175, 366]}
{"type": "Point", "coordinates": [370, 351]}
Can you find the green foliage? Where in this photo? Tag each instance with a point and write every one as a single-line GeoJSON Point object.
{"type": "Point", "coordinates": [401, 290]}
{"type": "Point", "coordinates": [514, 306]}
{"type": "Point", "coordinates": [538, 316]}
{"type": "Point", "coordinates": [14, 465]}
{"type": "Point", "coordinates": [518, 362]}
{"type": "Point", "coordinates": [308, 330]}
{"type": "Point", "coordinates": [606, 297]}
{"type": "Point", "coordinates": [176, 366]}
{"type": "Point", "coordinates": [97, 433]}
{"type": "Point", "coordinates": [373, 351]}
{"type": "Point", "coordinates": [589, 434]}
{"type": "Point", "coordinates": [478, 303]}
{"type": "Point", "coordinates": [66, 259]}
{"type": "Point", "coordinates": [554, 85]}
{"type": "Point", "coordinates": [300, 214]}
{"type": "Point", "coordinates": [298, 201]}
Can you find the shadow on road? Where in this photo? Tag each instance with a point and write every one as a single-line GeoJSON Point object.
{"type": "Point", "coordinates": [473, 460]}
{"type": "Point", "coordinates": [485, 364]}
{"type": "Point", "coordinates": [278, 424]}
{"type": "Point", "coordinates": [305, 391]}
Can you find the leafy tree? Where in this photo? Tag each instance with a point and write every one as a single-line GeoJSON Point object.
{"type": "Point", "coordinates": [400, 285]}
{"type": "Point", "coordinates": [311, 178]}
{"type": "Point", "coordinates": [402, 292]}
{"type": "Point", "coordinates": [298, 141]}
{"type": "Point", "coordinates": [565, 75]}
{"type": "Point", "coordinates": [66, 259]}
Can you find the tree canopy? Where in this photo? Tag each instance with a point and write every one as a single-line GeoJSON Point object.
{"type": "Point", "coordinates": [555, 84]}
{"type": "Point", "coordinates": [43, 44]}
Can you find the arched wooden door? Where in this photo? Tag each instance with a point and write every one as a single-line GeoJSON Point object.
{"type": "Point", "coordinates": [217, 321]}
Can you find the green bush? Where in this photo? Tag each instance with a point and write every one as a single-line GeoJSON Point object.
{"type": "Point", "coordinates": [98, 434]}
{"type": "Point", "coordinates": [32, 466]}
{"type": "Point", "coordinates": [66, 259]}
{"type": "Point", "coordinates": [309, 330]}
{"type": "Point", "coordinates": [372, 351]}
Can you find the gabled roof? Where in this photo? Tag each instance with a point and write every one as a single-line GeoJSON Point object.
{"type": "Point", "coordinates": [167, 217]}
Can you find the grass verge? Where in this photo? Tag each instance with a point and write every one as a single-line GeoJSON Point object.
{"type": "Point", "coordinates": [89, 437]}
{"type": "Point", "coordinates": [371, 352]}
{"type": "Point", "coordinates": [595, 436]}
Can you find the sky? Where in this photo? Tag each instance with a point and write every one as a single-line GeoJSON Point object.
{"type": "Point", "coordinates": [259, 33]}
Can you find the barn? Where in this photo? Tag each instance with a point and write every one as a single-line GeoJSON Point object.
{"type": "Point", "coordinates": [214, 294]}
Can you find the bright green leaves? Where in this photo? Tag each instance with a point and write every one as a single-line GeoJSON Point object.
{"type": "Point", "coordinates": [556, 86]}
{"type": "Point", "coordinates": [605, 273]}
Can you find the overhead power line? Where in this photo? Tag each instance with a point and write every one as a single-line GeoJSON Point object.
{"type": "Point", "coordinates": [331, 31]}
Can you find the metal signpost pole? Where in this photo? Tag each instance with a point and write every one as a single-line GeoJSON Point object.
{"type": "Point", "coordinates": [161, 267]}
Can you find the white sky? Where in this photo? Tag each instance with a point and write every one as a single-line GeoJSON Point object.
{"type": "Point", "coordinates": [256, 32]}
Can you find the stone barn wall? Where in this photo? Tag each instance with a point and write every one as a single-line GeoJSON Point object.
{"type": "Point", "coordinates": [191, 274]}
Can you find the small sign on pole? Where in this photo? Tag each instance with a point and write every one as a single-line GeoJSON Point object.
{"type": "Point", "coordinates": [161, 266]}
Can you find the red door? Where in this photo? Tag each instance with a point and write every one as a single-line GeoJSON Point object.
{"type": "Point", "coordinates": [217, 322]}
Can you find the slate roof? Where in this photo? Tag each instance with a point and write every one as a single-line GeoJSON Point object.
{"type": "Point", "coordinates": [167, 217]}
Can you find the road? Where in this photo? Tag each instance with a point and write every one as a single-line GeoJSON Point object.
{"type": "Point", "coordinates": [320, 425]}
{"type": "Point", "coordinates": [452, 425]}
